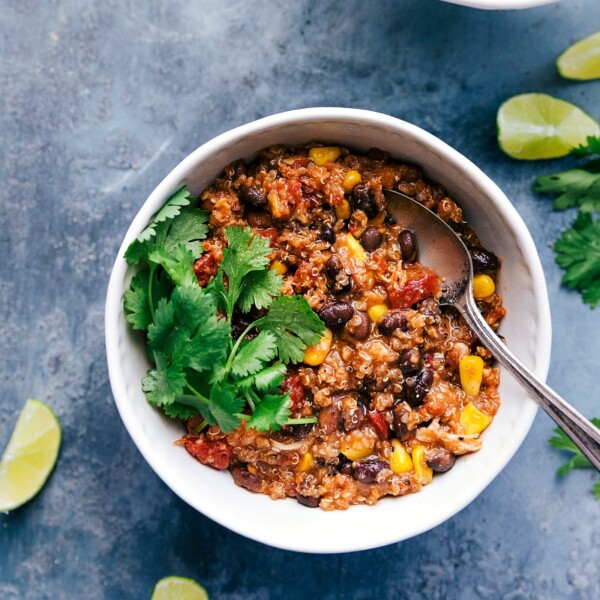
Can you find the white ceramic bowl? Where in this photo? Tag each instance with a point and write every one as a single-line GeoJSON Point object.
{"type": "Point", "coordinates": [285, 523]}
{"type": "Point", "coordinates": [501, 4]}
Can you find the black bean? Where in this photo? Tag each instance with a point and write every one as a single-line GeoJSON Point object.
{"type": "Point", "coordinates": [259, 219]}
{"type": "Point", "coordinates": [408, 245]}
{"type": "Point", "coordinates": [484, 260]}
{"type": "Point", "coordinates": [359, 326]}
{"type": "Point", "coordinates": [238, 168]}
{"type": "Point", "coordinates": [410, 361]}
{"type": "Point", "coordinates": [336, 314]}
{"type": "Point", "coordinates": [371, 239]}
{"type": "Point", "coordinates": [245, 479]}
{"type": "Point", "coordinates": [330, 419]}
{"type": "Point", "coordinates": [394, 319]}
{"type": "Point", "coordinates": [333, 267]}
{"type": "Point", "coordinates": [363, 198]}
{"type": "Point", "coordinates": [299, 432]}
{"type": "Point", "coordinates": [440, 460]}
{"type": "Point", "coordinates": [400, 428]}
{"type": "Point", "coordinates": [417, 388]}
{"type": "Point", "coordinates": [367, 471]}
{"type": "Point", "coordinates": [309, 501]}
{"type": "Point", "coordinates": [253, 196]}
{"type": "Point", "coordinates": [327, 234]}
{"type": "Point", "coordinates": [353, 420]}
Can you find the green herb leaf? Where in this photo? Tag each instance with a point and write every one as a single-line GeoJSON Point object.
{"type": "Point", "coordinates": [244, 254]}
{"type": "Point", "coordinates": [578, 252]}
{"type": "Point", "coordinates": [253, 355]}
{"type": "Point", "coordinates": [561, 441]}
{"type": "Point", "coordinates": [135, 301]}
{"type": "Point", "coordinates": [268, 379]}
{"type": "Point", "coordinates": [295, 326]}
{"type": "Point", "coordinates": [592, 147]}
{"type": "Point", "coordinates": [176, 410]}
{"type": "Point", "coordinates": [271, 413]}
{"type": "Point", "coordinates": [225, 403]}
{"type": "Point", "coordinates": [187, 230]}
{"type": "Point", "coordinates": [164, 383]}
{"type": "Point", "coordinates": [575, 188]}
{"type": "Point", "coordinates": [258, 289]}
{"type": "Point", "coordinates": [177, 264]}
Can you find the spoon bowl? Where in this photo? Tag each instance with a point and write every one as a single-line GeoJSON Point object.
{"type": "Point", "coordinates": [443, 251]}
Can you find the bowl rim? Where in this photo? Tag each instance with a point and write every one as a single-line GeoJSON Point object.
{"type": "Point", "coordinates": [157, 197]}
{"type": "Point", "coordinates": [502, 4]}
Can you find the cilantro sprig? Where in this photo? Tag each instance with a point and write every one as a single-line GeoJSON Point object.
{"type": "Point", "coordinates": [198, 366]}
{"type": "Point", "coordinates": [578, 248]}
{"type": "Point", "coordinates": [561, 441]}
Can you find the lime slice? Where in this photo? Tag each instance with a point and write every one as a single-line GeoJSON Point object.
{"type": "Point", "coordinates": [537, 126]}
{"type": "Point", "coordinates": [178, 588]}
{"type": "Point", "coordinates": [30, 455]}
{"type": "Point", "coordinates": [581, 60]}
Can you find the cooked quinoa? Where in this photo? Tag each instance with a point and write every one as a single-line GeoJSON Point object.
{"type": "Point", "coordinates": [384, 383]}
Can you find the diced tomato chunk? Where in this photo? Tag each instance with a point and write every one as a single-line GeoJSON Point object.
{"type": "Point", "coordinates": [216, 454]}
{"type": "Point", "coordinates": [422, 283]}
{"type": "Point", "coordinates": [270, 233]}
{"type": "Point", "coordinates": [205, 268]}
{"type": "Point", "coordinates": [380, 424]}
{"type": "Point", "coordinates": [293, 384]}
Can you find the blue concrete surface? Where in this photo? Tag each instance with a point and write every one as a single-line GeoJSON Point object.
{"type": "Point", "coordinates": [99, 101]}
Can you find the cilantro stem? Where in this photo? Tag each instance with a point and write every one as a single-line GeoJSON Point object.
{"type": "Point", "coordinates": [301, 421]}
{"type": "Point", "coordinates": [249, 399]}
{"type": "Point", "coordinates": [236, 348]}
{"type": "Point", "coordinates": [198, 395]}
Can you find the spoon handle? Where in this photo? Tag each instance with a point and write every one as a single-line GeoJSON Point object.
{"type": "Point", "coordinates": [584, 434]}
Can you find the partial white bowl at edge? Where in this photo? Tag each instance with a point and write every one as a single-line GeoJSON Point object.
{"type": "Point", "coordinates": [501, 4]}
{"type": "Point", "coordinates": [285, 523]}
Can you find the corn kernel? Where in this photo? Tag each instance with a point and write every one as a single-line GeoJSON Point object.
{"type": "Point", "coordinates": [471, 374]}
{"type": "Point", "coordinates": [483, 286]}
{"type": "Point", "coordinates": [315, 355]}
{"type": "Point", "coordinates": [400, 459]}
{"type": "Point", "coordinates": [423, 471]}
{"type": "Point", "coordinates": [307, 462]}
{"type": "Point", "coordinates": [473, 420]}
{"type": "Point", "coordinates": [342, 211]}
{"type": "Point", "coordinates": [279, 267]}
{"type": "Point", "coordinates": [377, 312]}
{"type": "Point", "coordinates": [353, 245]}
{"type": "Point", "coordinates": [351, 178]}
{"type": "Point", "coordinates": [356, 446]}
{"type": "Point", "coordinates": [324, 155]}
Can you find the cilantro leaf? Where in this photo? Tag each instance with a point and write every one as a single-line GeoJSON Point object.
{"type": "Point", "coordinates": [164, 383]}
{"type": "Point", "coordinates": [592, 147]}
{"type": "Point", "coordinates": [253, 355]}
{"type": "Point", "coordinates": [265, 380]}
{"type": "Point", "coordinates": [187, 229]}
{"type": "Point", "coordinates": [575, 188]}
{"type": "Point", "coordinates": [294, 324]}
{"type": "Point", "coordinates": [271, 413]}
{"type": "Point", "coordinates": [245, 253]}
{"type": "Point", "coordinates": [135, 302]}
{"type": "Point", "coordinates": [177, 410]}
{"type": "Point", "coordinates": [177, 263]}
{"type": "Point", "coordinates": [170, 210]}
{"type": "Point", "coordinates": [561, 441]}
{"type": "Point", "coordinates": [578, 252]}
{"type": "Point", "coordinates": [258, 289]}
{"type": "Point", "coordinates": [186, 329]}
{"type": "Point", "coordinates": [224, 404]}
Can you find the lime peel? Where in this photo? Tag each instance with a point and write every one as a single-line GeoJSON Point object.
{"type": "Point", "coordinates": [30, 455]}
{"type": "Point", "coordinates": [178, 588]}
{"type": "Point", "coordinates": [581, 61]}
{"type": "Point", "coordinates": [538, 126]}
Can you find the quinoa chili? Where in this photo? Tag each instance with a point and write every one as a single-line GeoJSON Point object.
{"type": "Point", "coordinates": [400, 386]}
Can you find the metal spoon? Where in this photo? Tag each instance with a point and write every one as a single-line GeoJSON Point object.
{"type": "Point", "coordinates": [444, 252]}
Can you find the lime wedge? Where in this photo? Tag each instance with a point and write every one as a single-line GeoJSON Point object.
{"type": "Point", "coordinates": [581, 60]}
{"type": "Point", "coordinates": [178, 588]}
{"type": "Point", "coordinates": [30, 455]}
{"type": "Point", "coordinates": [537, 126]}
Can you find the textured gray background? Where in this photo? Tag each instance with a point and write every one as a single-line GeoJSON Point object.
{"type": "Point", "coordinates": [98, 102]}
